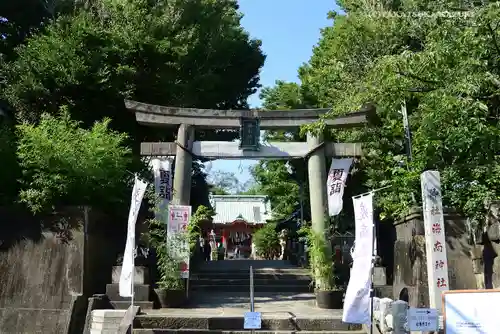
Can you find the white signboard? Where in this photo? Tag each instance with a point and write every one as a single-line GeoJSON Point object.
{"type": "Point", "coordinates": [423, 319]}
{"type": "Point", "coordinates": [252, 320]}
{"type": "Point", "coordinates": [178, 220]}
{"type": "Point", "coordinates": [335, 184]}
{"type": "Point", "coordinates": [471, 312]}
{"type": "Point", "coordinates": [435, 241]}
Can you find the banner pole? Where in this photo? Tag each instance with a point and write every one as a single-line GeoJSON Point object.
{"type": "Point", "coordinates": [133, 290]}
{"type": "Point", "coordinates": [372, 288]}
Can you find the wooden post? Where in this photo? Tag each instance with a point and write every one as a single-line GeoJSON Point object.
{"type": "Point", "coordinates": [316, 168]}
{"type": "Point", "coordinates": [183, 165]}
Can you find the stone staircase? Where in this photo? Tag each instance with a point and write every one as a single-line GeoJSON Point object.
{"type": "Point", "coordinates": [234, 276]}
{"type": "Point", "coordinates": [219, 298]}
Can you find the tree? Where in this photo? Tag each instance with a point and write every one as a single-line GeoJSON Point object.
{"type": "Point", "coordinates": [10, 170]}
{"type": "Point", "coordinates": [65, 164]}
{"type": "Point", "coordinates": [280, 180]}
{"type": "Point", "coordinates": [444, 68]}
{"type": "Point", "coordinates": [224, 183]}
{"type": "Point", "coordinates": [181, 52]}
{"type": "Point", "coordinates": [267, 242]}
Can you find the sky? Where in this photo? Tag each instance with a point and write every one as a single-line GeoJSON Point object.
{"type": "Point", "coordinates": [288, 29]}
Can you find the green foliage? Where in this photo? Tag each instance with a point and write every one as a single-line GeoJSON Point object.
{"type": "Point", "coordinates": [275, 181]}
{"type": "Point", "coordinates": [90, 55]}
{"type": "Point", "coordinates": [447, 71]}
{"type": "Point", "coordinates": [274, 178]}
{"type": "Point", "coordinates": [321, 262]}
{"type": "Point", "coordinates": [180, 52]}
{"type": "Point", "coordinates": [226, 183]}
{"type": "Point", "coordinates": [63, 162]}
{"type": "Point", "coordinates": [202, 214]}
{"type": "Point", "coordinates": [10, 171]}
{"type": "Point", "coordinates": [266, 241]}
{"type": "Point", "coordinates": [156, 237]}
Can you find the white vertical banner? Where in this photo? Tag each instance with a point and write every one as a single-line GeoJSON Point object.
{"type": "Point", "coordinates": [357, 308]}
{"type": "Point", "coordinates": [126, 276]}
{"type": "Point", "coordinates": [162, 173]}
{"type": "Point", "coordinates": [177, 237]}
{"type": "Point", "coordinates": [435, 241]}
{"type": "Point", "coordinates": [337, 176]}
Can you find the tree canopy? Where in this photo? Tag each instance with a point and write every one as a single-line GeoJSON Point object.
{"type": "Point", "coordinates": [65, 164]}
{"type": "Point", "coordinates": [438, 58]}
{"type": "Point", "coordinates": [444, 67]}
{"type": "Point", "coordinates": [91, 55]}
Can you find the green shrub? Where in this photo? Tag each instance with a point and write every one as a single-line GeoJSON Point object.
{"type": "Point", "coordinates": [266, 241]}
{"type": "Point", "coordinates": [62, 163]}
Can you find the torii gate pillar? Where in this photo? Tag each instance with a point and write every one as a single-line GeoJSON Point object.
{"type": "Point", "coordinates": [183, 165]}
{"type": "Point", "coordinates": [316, 167]}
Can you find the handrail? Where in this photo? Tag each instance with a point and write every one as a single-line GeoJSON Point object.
{"type": "Point", "coordinates": [252, 304]}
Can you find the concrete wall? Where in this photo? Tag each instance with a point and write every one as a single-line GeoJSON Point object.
{"type": "Point", "coordinates": [410, 268]}
{"type": "Point", "coordinates": [45, 280]}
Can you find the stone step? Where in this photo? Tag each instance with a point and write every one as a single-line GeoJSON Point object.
{"type": "Point", "coordinates": [246, 275]}
{"type": "Point", "coordinates": [204, 331]}
{"type": "Point", "coordinates": [257, 288]}
{"type": "Point", "coordinates": [141, 293]}
{"type": "Point", "coordinates": [270, 322]}
{"type": "Point", "coordinates": [261, 271]}
{"type": "Point", "coordinates": [123, 305]}
{"type": "Point", "coordinates": [257, 281]}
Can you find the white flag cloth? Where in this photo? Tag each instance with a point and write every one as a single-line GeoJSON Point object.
{"type": "Point", "coordinates": [357, 298]}
{"type": "Point", "coordinates": [335, 184]}
{"type": "Point", "coordinates": [126, 276]}
{"type": "Point", "coordinates": [162, 172]}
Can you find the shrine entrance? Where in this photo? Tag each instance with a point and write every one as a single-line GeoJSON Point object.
{"type": "Point", "coordinates": [249, 123]}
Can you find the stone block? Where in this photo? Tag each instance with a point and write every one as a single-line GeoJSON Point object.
{"type": "Point", "coordinates": [141, 293]}
{"type": "Point", "coordinates": [379, 276]}
{"type": "Point", "coordinates": [141, 275]}
{"type": "Point", "coordinates": [123, 305]}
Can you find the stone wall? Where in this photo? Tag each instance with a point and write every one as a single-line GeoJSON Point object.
{"type": "Point", "coordinates": [47, 278]}
{"type": "Point", "coordinates": [410, 268]}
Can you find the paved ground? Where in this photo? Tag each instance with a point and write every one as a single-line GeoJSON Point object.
{"type": "Point", "coordinates": [269, 304]}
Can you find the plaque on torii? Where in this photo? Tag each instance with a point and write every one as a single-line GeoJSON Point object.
{"type": "Point", "coordinates": [249, 134]}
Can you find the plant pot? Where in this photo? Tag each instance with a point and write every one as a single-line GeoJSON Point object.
{"type": "Point", "coordinates": [330, 300]}
{"type": "Point", "coordinates": [170, 298]}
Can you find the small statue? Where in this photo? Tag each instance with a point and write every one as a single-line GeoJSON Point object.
{"type": "Point", "coordinates": [283, 236]}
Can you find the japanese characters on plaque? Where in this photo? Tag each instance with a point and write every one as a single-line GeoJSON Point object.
{"type": "Point", "coordinates": [435, 241]}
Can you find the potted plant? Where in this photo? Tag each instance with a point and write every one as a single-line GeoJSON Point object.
{"type": "Point", "coordinates": [329, 295]}
{"type": "Point", "coordinates": [170, 290]}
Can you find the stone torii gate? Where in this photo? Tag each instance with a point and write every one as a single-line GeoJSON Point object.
{"type": "Point", "coordinates": [249, 122]}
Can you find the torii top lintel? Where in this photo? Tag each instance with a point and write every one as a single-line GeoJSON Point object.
{"type": "Point", "coordinates": [154, 115]}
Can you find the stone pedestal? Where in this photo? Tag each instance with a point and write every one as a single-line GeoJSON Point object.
{"type": "Point", "coordinates": [141, 275]}
{"type": "Point", "coordinates": [142, 289]}
{"type": "Point", "coordinates": [379, 276]}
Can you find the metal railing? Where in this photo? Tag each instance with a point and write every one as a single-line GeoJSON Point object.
{"type": "Point", "coordinates": [252, 302]}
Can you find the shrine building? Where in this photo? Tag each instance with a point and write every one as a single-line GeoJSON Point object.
{"type": "Point", "coordinates": [237, 217]}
